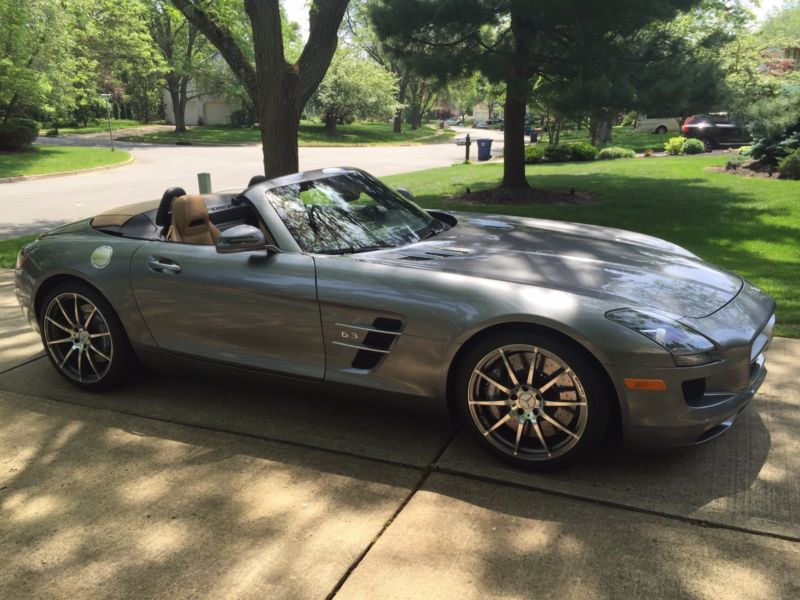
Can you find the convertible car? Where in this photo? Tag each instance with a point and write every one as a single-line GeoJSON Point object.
{"type": "Point", "coordinates": [541, 335]}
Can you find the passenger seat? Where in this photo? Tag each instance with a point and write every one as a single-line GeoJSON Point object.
{"type": "Point", "coordinates": [190, 222]}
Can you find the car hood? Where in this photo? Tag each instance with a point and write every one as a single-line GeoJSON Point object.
{"type": "Point", "coordinates": [629, 268]}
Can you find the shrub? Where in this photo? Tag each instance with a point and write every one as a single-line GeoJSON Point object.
{"type": "Point", "coordinates": [693, 146]}
{"type": "Point", "coordinates": [648, 153]}
{"type": "Point", "coordinates": [734, 163]}
{"type": "Point", "coordinates": [558, 153]}
{"type": "Point", "coordinates": [613, 152]}
{"type": "Point", "coordinates": [18, 134]}
{"type": "Point", "coordinates": [52, 132]}
{"type": "Point", "coordinates": [582, 151]}
{"type": "Point", "coordinates": [790, 166]}
{"type": "Point", "coordinates": [629, 120]}
{"type": "Point", "coordinates": [674, 145]}
{"type": "Point", "coordinates": [533, 154]}
{"type": "Point", "coordinates": [745, 150]}
{"type": "Point", "coordinates": [239, 118]}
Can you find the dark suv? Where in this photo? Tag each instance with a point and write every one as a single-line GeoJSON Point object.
{"type": "Point", "coordinates": [715, 131]}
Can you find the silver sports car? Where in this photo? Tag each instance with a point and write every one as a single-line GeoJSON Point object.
{"type": "Point", "coordinates": [541, 335]}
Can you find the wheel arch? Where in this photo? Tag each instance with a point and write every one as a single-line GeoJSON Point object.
{"type": "Point", "coordinates": [48, 284]}
{"type": "Point", "coordinates": [615, 420]}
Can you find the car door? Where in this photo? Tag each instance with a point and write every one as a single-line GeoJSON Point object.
{"type": "Point", "coordinates": [246, 309]}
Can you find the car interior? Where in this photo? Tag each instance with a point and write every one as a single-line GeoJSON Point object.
{"type": "Point", "coordinates": [184, 218]}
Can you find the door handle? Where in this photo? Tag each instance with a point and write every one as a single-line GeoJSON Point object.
{"type": "Point", "coordinates": [163, 265]}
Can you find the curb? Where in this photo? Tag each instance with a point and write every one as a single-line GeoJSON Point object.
{"type": "Point", "coordinates": [65, 173]}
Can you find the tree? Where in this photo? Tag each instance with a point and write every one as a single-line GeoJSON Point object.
{"type": "Point", "coordinates": [278, 88]}
{"type": "Point", "coordinates": [512, 41]}
{"type": "Point", "coordinates": [355, 86]}
{"type": "Point", "coordinates": [184, 51]}
{"type": "Point", "coordinates": [35, 64]}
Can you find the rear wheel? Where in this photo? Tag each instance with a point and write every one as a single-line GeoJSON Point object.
{"type": "Point", "coordinates": [661, 129]}
{"type": "Point", "coordinates": [534, 400]}
{"type": "Point", "coordinates": [83, 337]}
{"type": "Point", "coordinates": [708, 144]}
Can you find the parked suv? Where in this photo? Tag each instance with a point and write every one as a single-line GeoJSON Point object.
{"type": "Point", "coordinates": [715, 131]}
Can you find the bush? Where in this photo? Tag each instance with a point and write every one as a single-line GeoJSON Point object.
{"type": "Point", "coordinates": [693, 146]}
{"type": "Point", "coordinates": [239, 118]}
{"type": "Point", "coordinates": [674, 145]}
{"type": "Point", "coordinates": [18, 134]}
{"type": "Point", "coordinates": [582, 151]}
{"type": "Point", "coordinates": [558, 153]}
{"type": "Point", "coordinates": [629, 120]}
{"type": "Point", "coordinates": [734, 163]}
{"type": "Point", "coordinates": [613, 152]}
{"type": "Point", "coordinates": [52, 132]}
{"type": "Point", "coordinates": [790, 166]}
{"type": "Point", "coordinates": [533, 154]}
{"type": "Point", "coordinates": [745, 150]}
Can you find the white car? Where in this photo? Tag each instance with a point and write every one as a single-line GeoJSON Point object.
{"type": "Point", "coordinates": [650, 124]}
{"type": "Point", "coordinates": [454, 121]}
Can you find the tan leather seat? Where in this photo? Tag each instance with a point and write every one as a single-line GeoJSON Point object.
{"type": "Point", "coordinates": [190, 223]}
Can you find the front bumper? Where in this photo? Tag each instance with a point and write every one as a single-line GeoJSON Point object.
{"type": "Point", "coordinates": [700, 403]}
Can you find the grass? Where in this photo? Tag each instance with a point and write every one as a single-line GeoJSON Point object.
{"type": "Point", "coordinates": [100, 127]}
{"type": "Point", "coordinates": [748, 225]}
{"type": "Point", "coordinates": [55, 159]}
{"type": "Point", "coordinates": [10, 248]}
{"type": "Point", "coordinates": [311, 134]}
{"type": "Point", "coordinates": [625, 137]}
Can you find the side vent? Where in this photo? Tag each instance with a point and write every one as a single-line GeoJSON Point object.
{"type": "Point", "coordinates": [375, 341]}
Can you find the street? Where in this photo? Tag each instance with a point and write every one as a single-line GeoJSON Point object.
{"type": "Point", "coordinates": [41, 204]}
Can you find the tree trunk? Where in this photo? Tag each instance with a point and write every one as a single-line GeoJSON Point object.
{"type": "Point", "coordinates": [397, 125]}
{"type": "Point", "coordinates": [514, 135]}
{"type": "Point", "coordinates": [178, 111]}
{"type": "Point", "coordinates": [280, 121]}
{"type": "Point", "coordinates": [330, 122]}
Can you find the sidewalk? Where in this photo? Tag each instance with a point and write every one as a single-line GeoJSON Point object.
{"type": "Point", "coordinates": [199, 487]}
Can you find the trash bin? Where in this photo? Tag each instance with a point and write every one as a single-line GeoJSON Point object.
{"type": "Point", "coordinates": [534, 136]}
{"type": "Point", "coordinates": [484, 149]}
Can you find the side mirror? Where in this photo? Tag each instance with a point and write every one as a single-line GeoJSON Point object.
{"type": "Point", "coordinates": [406, 193]}
{"type": "Point", "coordinates": [241, 238]}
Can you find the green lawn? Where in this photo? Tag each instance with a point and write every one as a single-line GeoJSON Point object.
{"type": "Point", "coordinates": [55, 159]}
{"type": "Point", "coordinates": [311, 134]}
{"type": "Point", "coordinates": [10, 248]}
{"type": "Point", "coordinates": [623, 136]}
{"type": "Point", "coordinates": [100, 127]}
{"type": "Point", "coordinates": [747, 225]}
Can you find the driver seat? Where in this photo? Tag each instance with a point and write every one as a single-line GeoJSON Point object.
{"type": "Point", "coordinates": [190, 222]}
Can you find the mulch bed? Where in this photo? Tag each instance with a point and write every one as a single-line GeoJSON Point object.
{"type": "Point", "coordinates": [524, 196]}
{"type": "Point", "coordinates": [750, 168]}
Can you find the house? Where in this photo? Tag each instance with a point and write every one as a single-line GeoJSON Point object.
{"type": "Point", "coordinates": [201, 108]}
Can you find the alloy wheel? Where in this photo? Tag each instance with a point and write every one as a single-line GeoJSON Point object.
{"type": "Point", "coordinates": [78, 338]}
{"type": "Point", "coordinates": [527, 402]}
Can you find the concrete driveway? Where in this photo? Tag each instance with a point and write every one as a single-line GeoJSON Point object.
{"type": "Point", "coordinates": [41, 204]}
{"type": "Point", "coordinates": [187, 487]}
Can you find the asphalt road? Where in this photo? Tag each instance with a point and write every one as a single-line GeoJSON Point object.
{"type": "Point", "coordinates": [187, 487]}
{"type": "Point", "coordinates": [40, 204]}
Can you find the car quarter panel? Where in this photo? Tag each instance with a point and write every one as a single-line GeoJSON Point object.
{"type": "Point", "coordinates": [69, 252]}
{"type": "Point", "coordinates": [436, 313]}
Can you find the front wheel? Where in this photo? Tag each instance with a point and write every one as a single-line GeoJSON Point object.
{"type": "Point", "coordinates": [661, 129]}
{"type": "Point", "coordinates": [84, 339]}
{"type": "Point", "coordinates": [534, 400]}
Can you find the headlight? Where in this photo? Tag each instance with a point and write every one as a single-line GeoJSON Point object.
{"type": "Point", "coordinates": [688, 348]}
{"type": "Point", "coordinates": [22, 257]}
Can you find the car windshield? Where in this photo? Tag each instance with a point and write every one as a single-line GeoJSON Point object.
{"type": "Point", "coordinates": [349, 213]}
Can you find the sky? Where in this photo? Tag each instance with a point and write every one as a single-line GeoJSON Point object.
{"type": "Point", "coordinates": [297, 11]}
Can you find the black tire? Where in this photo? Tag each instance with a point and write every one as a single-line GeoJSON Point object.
{"type": "Point", "coordinates": [708, 144]}
{"type": "Point", "coordinates": [531, 441]}
{"type": "Point", "coordinates": [96, 355]}
{"type": "Point", "coordinates": [661, 129]}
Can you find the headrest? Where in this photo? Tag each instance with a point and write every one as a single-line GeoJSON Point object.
{"type": "Point", "coordinates": [164, 208]}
